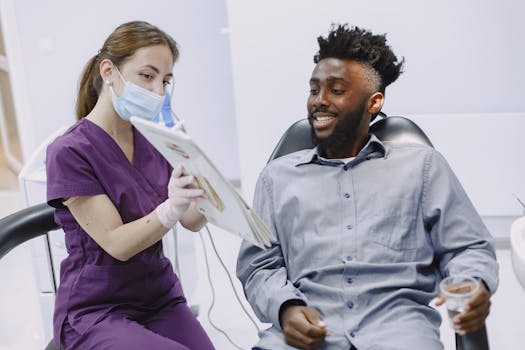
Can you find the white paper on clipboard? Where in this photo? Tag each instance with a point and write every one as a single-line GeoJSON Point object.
{"type": "Point", "coordinates": [224, 207]}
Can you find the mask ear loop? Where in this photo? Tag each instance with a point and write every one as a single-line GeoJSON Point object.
{"type": "Point", "coordinates": [120, 74]}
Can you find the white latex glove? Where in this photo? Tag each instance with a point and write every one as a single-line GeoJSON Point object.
{"type": "Point", "coordinates": [182, 191]}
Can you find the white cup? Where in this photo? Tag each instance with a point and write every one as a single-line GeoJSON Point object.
{"type": "Point", "coordinates": [457, 290]}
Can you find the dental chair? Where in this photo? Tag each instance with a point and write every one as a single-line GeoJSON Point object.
{"type": "Point", "coordinates": [299, 136]}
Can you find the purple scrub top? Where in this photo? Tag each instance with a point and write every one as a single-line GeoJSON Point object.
{"type": "Point", "coordinates": [86, 161]}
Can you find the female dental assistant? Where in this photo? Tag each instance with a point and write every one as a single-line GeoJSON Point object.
{"type": "Point", "coordinates": [115, 198]}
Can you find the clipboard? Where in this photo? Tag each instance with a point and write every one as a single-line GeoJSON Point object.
{"type": "Point", "coordinates": [223, 207]}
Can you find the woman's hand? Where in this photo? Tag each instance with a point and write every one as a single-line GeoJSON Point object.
{"type": "Point", "coordinates": [182, 191]}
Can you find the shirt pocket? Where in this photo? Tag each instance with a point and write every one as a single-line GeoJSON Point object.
{"type": "Point", "coordinates": [394, 223]}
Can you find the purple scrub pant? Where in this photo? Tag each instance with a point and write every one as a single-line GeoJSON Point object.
{"type": "Point", "coordinates": [172, 328]}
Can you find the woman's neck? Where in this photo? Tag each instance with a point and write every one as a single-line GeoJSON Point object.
{"type": "Point", "coordinates": [105, 117]}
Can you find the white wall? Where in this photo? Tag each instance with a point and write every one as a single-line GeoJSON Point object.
{"type": "Point", "coordinates": [461, 57]}
{"type": "Point", "coordinates": [55, 39]}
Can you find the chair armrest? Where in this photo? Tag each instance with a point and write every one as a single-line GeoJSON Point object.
{"type": "Point", "coordinates": [473, 341]}
{"type": "Point", "coordinates": [25, 224]}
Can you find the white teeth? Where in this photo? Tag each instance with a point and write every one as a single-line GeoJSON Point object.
{"type": "Point", "coordinates": [323, 118]}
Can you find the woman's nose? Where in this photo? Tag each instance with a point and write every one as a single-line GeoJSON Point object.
{"type": "Point", "coordinates": [159, 89]}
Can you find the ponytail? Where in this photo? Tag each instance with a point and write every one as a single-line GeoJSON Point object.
{"type": "Point", "coordinates": [89, 88]}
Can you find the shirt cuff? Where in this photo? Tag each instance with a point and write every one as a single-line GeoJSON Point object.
{"type": "Point", "coordinates": [279, 299]}
{"type": "Point", "coordinates": [485, 284]}
{"type": "Point", "coordinates": [292, 302]}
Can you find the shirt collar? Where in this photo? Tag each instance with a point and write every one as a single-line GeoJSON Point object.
{"type": "Point", "coordinates": [374, 148]}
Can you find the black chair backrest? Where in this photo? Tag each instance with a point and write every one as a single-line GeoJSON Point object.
{"type": "Point", "coordinates": [25, 224]}
{"type": "Point", "coordinates": [299, 135]}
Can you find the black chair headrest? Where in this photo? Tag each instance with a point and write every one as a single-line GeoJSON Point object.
{"type": "Point", "coordinates": [299, 135]}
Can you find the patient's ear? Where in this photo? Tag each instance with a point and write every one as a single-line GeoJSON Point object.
{"type": "Point", "coordinates": [375, 103]}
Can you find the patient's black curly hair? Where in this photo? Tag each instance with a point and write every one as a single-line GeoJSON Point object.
{"type": "Point", "coordinates": [361, 45]}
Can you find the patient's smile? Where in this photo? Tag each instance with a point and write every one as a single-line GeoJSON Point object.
{"type": "Point", "coordinates": [322, 120]}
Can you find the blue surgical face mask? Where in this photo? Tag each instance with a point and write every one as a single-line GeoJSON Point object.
{"type": "Point", "coordinates": [136, 101]}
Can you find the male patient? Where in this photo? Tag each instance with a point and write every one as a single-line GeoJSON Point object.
{"type": "Point", "coordinates": [366, 229]}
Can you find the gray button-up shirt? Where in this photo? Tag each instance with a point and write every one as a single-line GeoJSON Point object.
{"type": "Point", "coordinates": [365, 243]}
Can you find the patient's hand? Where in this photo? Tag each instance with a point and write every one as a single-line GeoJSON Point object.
{"type": "Point", "coordinates": [476, 311]}
{"type": "Point", "coordinates": [303, 327]}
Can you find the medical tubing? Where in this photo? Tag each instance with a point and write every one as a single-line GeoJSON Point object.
{"type": "Point", "coordinates": [231, 281]}
{"type": "Point", "coordinates": [213, 295]}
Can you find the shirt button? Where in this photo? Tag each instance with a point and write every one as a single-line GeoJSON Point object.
{"type": "Point", "coordinates": [352, 334]}
{"type": "Point", "coordinates": [349, 227]}
{"type": "Point", "coordinates": [350, 305]}
{"type": "Point", "coordinates": [347, 195]}
{"type": "Point", "coordinates": [345, 168]}
{"type": "Point", "coordinates": [349, 258]}
{"type": "Point", "coordinates": [349, 280]}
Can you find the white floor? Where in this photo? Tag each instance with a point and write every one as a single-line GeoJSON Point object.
{"type": "Point", "coordinates": [21, 327]}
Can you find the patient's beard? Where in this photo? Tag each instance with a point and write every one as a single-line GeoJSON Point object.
{"type": "Point", "coordinates": [344, 132]}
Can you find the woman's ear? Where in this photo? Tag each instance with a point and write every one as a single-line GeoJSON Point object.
{"type": "Point", "coordinates": [106, 69]}
{"type": "Point", "coordinates": [375, 103]}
